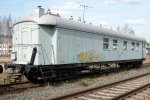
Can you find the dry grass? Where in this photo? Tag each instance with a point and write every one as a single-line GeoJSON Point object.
{"type": "Point", "coordinates": [85, 82]}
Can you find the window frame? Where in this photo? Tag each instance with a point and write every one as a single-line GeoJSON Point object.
{"type": "Point", "coordinates": [125, 45]}
{"type": "Point", "coordinates": [133, 45]}
{"type": "Point", "coordinates": [137, 45]}
{"type": "Point", "coordinates": [115, 44]}
{"type": "Point", "coordinates": [106, 44]}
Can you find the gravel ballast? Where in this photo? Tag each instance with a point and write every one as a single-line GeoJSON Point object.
{"type": "Point", "coordinates": [51, 91]}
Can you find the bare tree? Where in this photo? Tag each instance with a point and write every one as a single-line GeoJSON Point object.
{"type": "Point", "coordinates": [127, 29]}
{"type": "Point", "coordinates": [5, 24]}
{"type": "Point", "coordinates": [5, 30]}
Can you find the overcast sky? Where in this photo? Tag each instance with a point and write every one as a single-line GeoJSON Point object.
{"type": "Point", "coordinates": [109, 13]}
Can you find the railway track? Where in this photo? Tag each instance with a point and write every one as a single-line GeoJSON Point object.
{"type": "Point", "coordinates": [114, 91]}
{"type": "Point", "coordinates": [17, 87]}
{"type": "Point", "coordinates": [14, 88]}
{"type": "Point", "coordinates": [142, 94]}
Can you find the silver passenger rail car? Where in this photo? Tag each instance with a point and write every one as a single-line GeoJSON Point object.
{"type": "Point", "coordinates": [47, 46]}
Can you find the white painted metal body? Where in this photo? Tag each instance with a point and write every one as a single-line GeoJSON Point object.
{"type": "Point", "coordinates": [61, 41]}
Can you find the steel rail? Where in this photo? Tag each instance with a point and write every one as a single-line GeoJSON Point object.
{"type": "Point", "coordinates": [131, 93]}
{"type": "Point", "coordinates": [6, 85]}
{"type": "Point", "coordinates": [96, 88]}
{"type": "Point", "coordinates": [14, 88]}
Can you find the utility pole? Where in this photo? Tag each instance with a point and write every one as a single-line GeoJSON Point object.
{"type": "Point", "coordinates": [84, 7]}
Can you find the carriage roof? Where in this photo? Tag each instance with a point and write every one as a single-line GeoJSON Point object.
{"type": "Point", "coordinates": [51, 20]}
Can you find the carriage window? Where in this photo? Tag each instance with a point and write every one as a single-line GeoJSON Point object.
{"type": "Point", "coordinates": [144, 46]}
{"type": "Point", "coordinates": [133, 45]}
{"type": "Point", "coordinates": [115, 44]}
{"type": "Point", "coordinates": [137, 46]}
{"type": "Point", "coordinates": [105, 43]}
{"type": "Point", "coordinates": [124, 45]}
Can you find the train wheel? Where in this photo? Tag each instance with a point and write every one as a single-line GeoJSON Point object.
{"type": "Point", "coordinates": [122, 65]}
{"type": "Point", "coordinates": [138, 64]}
{"type": "Point", "coordinates": [33, 77]}
{"type": "Point", "coordinates": [35, 80]}
{"type": "Point", "coordinates": [1, 69]}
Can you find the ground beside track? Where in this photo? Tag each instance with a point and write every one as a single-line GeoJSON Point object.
{"type": "Point", "coordinates": [5, 73]}
{"type": "Point", "coordinates": [67, 87]}
{"type": "Point", "coordinates": [3, 76]}
{"type": "Point", "coordinates": [147, 59]}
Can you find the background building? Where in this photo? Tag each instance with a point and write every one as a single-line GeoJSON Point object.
{"type": "Point", "coordinates": [148, 48]}
{"type": "Point", "coordinates": [5, 45]}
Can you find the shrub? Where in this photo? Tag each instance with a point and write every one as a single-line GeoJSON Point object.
{"type": "Point", "coordinates": [85, 82]}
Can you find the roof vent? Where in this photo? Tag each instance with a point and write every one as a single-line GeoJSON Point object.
{"type": "Point", "coordinates": [100, 25]}
{"type": "Point", "coordinates": [39, 11]}
{"type": "Point", "coordinates": [79, 19]}
{"type": "Point", "coordinates": [71, 18]}
{"type": "Point", "coordinates": [48, 11]}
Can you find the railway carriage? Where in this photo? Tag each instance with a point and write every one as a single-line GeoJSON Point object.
{"type": "Point", "coordinates": [47, 46]}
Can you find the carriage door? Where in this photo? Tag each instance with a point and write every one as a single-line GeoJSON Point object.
{"type": "Point", "coordinates": [106, 50]}
{"type": "Point", "coordinates": [115, 51]}
{"type": "Point", "coordinates": [24, 43]}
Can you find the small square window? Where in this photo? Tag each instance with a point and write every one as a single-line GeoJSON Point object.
{"type": "Point", "coordinates": [105, 43]}
{"type": "Point", "coordinates": [137, 46]}
{"type": "Point", "coordinates": [133, 45]}
{"type": "Point", "coordinates": [124, 45]}
{"type": "Point", "coordinates": [115, 44]}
